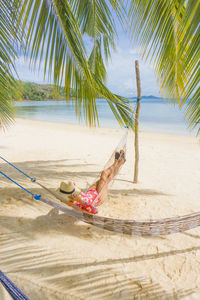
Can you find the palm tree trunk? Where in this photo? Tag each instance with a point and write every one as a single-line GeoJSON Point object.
{"type": "Point", "coordinates": [135, 179]}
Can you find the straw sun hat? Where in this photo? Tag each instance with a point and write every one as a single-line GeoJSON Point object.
{"type": "Point", "coordinates": [67, 188]}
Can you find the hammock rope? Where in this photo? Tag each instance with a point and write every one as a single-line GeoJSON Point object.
{"type": "Point", "coordinates": [131, 118]}
{"type": "Point", "coordinates": [12, 289]}
{"type": "Point", "coordinates": [33, 179]}
{"type": "Point", "coordinates": [37, 197]}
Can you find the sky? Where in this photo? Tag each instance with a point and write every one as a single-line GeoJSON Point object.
{"type": "Point", "coordinates": [120, 70]}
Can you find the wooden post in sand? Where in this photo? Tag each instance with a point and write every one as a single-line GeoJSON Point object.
{"type": "Point", "coordinates": [135, 179]}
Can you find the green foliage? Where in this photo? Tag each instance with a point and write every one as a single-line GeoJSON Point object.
{"type": "Point", "coordinates": [34, 91]}
{"type": "Point", "coordinates": [30, 92]}
{"type": "Point", "coordinates": [54, 32]}
{"type": "Point", "coordinates": [168, 33]}
{"type": "Point", "coordinates": [9, 88]}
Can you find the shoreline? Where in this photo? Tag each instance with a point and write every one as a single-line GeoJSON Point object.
{"type": "Point", "coordinates": [167, 120]}
{"type": "Point", "coordinates": [107, 128]}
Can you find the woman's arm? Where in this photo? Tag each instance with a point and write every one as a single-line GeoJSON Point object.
{"type": "Point", "coordinates": [74, 198]}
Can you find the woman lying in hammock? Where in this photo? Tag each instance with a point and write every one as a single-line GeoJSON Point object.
{"type": "Point", "coordinates": [96, 193]}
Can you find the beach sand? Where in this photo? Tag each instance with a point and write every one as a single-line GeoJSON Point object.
{"type": "Point", "coordinates": [52, 256]}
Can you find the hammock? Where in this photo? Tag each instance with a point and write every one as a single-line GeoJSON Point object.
{"type": "Point", "coordinates": [130, 227]}
{"type": "Point", "coordinates": [12, 289]}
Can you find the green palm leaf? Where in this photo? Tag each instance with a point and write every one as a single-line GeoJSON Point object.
{"type": "Point", "coordinates": [168, 33]}
{"type": "Point", "coordinates": [54, 33]}
{"type": "Point", "coordinates": [9, 88]}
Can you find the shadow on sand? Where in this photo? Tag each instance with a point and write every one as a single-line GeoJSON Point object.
{"type": "Point", "coordinates": [62, 170]}
{"type": "Point", "coordinates": [44, 170]}
{"type": "Point", "coordinates": [103, 279]}
{"type": "Point", "coordinates": [92, 280]}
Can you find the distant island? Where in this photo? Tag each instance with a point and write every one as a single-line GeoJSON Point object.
{"type": "Point", "coordinates": [147, 97]}
{"type": "Point", "coordinates": [47, 92]}
{"type": "Point", "coordinates": [42, 92]}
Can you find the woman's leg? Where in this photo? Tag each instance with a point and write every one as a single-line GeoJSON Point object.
{"type": "Point", "coordinates": [103, 177]}
{"type": "Point", "coordinates": [107, 176]}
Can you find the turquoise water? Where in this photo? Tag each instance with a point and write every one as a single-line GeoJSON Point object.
{"type": "Point", "coordinates": [156, 115]}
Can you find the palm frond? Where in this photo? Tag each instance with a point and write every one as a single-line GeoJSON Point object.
{"type": "Point", "coordinates": [9, 88]}
{"type": "Point", "coordinates": [96, 19]}
{"type": "Point", "coordinates": [190, 54]}
{"type": "Point", "coordinates": [54, 33]}
{"type": "Point", "coordinates": [168, 33]}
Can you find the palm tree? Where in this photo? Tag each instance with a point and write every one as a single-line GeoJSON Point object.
{"type": "Point", "coordinates": [168, 32]}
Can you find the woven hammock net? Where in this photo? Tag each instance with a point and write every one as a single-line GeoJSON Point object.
{"type": "Point", "coordinates": [122, 145]}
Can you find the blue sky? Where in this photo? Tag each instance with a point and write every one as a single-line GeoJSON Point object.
{"type": "Point", "coordinates": [120, 70]}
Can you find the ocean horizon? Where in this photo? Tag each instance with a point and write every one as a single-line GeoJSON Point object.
{"type": "Point", "coordinates": [156, 114]}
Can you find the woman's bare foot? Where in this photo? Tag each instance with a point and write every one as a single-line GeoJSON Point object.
{"type": "Point", "coordinates": [122, 155]}
{"type": "Point", "coordinates": [117, 155]}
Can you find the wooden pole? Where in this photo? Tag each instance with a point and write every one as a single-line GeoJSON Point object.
{"type": "Point", "coordinates": [135, 179]}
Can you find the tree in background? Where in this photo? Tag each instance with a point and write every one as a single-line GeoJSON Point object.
{"type": "Point", "coordinates": [31, 92]}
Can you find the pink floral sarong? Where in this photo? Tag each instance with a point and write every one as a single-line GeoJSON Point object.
{"type": "Point", "coordinates": [91, 200]}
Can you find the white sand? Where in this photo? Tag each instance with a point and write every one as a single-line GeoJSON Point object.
{"type": "Point", "coordinates": [53, 256]}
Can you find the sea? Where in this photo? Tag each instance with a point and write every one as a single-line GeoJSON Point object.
{"type": "Point", "coordinates": [156, 114]}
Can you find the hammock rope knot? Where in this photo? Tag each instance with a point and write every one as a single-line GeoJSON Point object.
{"type": "Point", "coordinates": [33, 179]}
{"type": "Point", "coordinates": [37, 197]}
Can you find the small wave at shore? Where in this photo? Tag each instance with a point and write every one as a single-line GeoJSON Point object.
{"type": "Point", "coordinates": [156, 114]}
